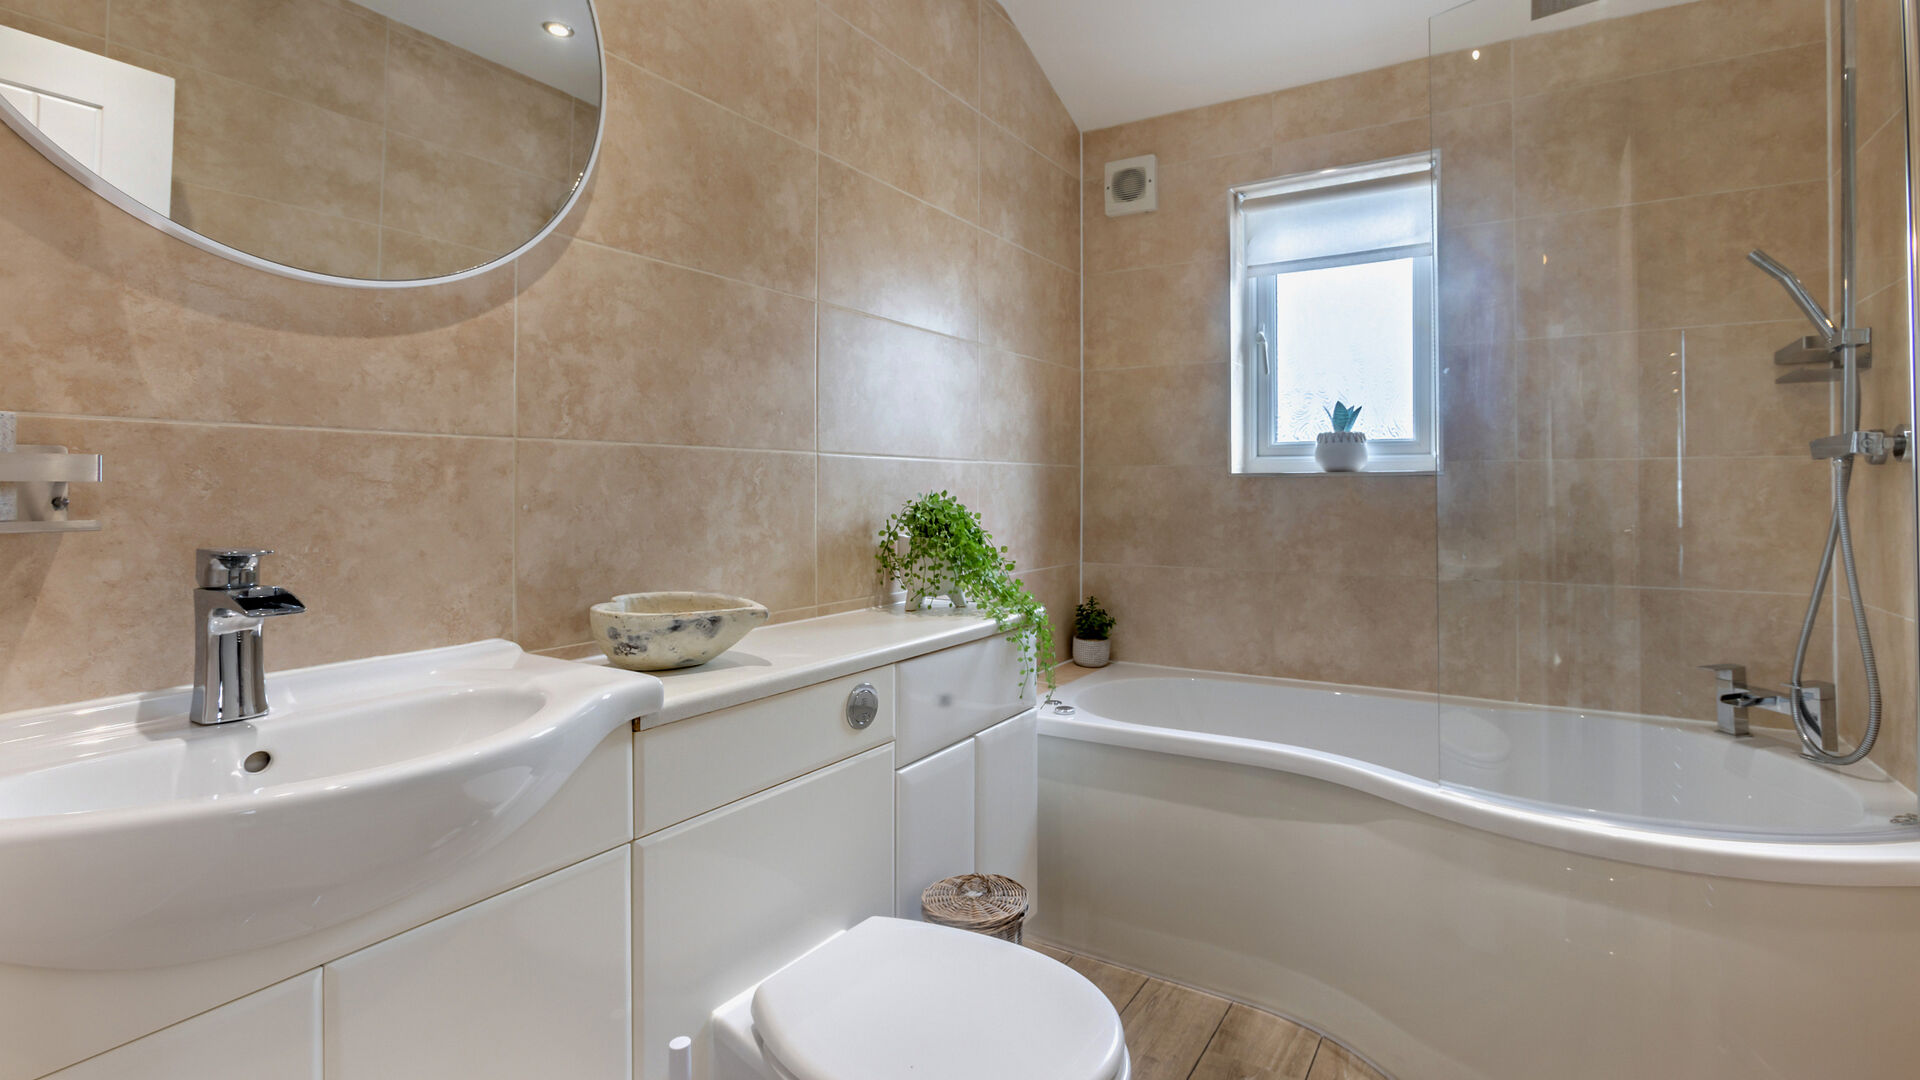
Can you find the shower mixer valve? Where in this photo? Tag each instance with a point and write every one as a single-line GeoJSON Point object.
{"type": "Point", "coordinates": [1875, 446]}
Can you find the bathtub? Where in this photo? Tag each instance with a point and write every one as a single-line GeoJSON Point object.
{"type": "Point", "coordinates": [1469, 889]}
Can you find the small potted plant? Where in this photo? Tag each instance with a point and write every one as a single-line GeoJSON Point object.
{"type": "Point", "coordinates": [935, 546]}
{"type": "Point", "coordinates": [1092, 629]}
{"type": "Point", "coordinates": [1342, 449]}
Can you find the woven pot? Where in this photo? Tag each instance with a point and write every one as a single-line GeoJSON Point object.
{"type": "Point", "coordinates": [1341, 451]}
{"type": "Point", "coordinates": [1088, 653]}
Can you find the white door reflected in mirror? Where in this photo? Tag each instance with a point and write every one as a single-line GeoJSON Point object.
{"type": "Point", "coordinates": [116, 119]}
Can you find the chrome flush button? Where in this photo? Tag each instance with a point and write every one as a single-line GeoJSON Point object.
{"type": "Point", "coordinates": [862, 706]}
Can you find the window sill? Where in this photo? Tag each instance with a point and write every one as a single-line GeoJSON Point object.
{"type": "Point", "coordinates": [1388, 465]}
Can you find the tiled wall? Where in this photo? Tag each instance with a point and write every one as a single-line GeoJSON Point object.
{"type": "Point", "coordinates": [327, 137]}
{"type": "Point", "coordinates": [1883, 495]}
{"type": "Point", "coordinates": [828, 262]}
{"type": "Point", "coordinates": [1314, 577]}
{"type": "Point", "coordinates": [1627, 493]}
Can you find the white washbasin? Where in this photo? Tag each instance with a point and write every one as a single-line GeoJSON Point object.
{"type": "Point", "coordinates": [130, 837]}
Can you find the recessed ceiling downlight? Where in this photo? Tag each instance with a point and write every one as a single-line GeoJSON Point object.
{"type": "Point", "coordinates": [557, 29]}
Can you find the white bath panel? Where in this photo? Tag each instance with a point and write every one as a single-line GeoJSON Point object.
{"type": "Point", "coordinates": [270, 1035]}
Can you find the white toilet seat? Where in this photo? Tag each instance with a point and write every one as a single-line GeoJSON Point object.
{"type": "Point", "coordinates": [893, 998]}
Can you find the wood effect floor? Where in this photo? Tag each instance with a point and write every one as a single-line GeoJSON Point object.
{"type": "Point", "coordinates": [1174, 1033]}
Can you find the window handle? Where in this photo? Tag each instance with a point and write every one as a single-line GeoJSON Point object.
{"type": "Point", "coordinates": [1266, 358]}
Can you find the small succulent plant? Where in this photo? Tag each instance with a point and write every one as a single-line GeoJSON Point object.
{"type": "Point", "coordinates": [1091, 621]}
{"type": "Point", "coordinates": [1343, 416]}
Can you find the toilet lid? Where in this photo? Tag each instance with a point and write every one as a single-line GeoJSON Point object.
{"type": "Point", "coordinates": [893, 999]}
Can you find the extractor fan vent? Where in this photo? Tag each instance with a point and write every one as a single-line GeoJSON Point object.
{"type": "Point", "coordinates": [1130, 186]}
{"type": "Point", "coordinates": [1544, 8]}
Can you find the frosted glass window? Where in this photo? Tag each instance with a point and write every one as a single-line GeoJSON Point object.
{"type": "Point", "coordinates": [1342, 333]}
{"type": "Point", "coordinates": [1333, 275]}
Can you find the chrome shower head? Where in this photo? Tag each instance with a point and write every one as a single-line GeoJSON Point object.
{"type": "Point", "coordinates": [1808, 305]}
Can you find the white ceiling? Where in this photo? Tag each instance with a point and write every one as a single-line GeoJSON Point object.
{"type": "Point", "coordinates": [1113, 61]}
{"type": "Point", "coordinates": [508, 33]}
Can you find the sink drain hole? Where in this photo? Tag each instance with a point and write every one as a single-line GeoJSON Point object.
{"type": "Point", "coordinates": [257, 761]}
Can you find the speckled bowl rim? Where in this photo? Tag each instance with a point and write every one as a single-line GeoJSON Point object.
{"type": "Point", "coordinates": [738, 605]}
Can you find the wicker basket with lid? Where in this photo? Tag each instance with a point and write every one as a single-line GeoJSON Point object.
{"type": "Point", "coordinates": [983, 903]}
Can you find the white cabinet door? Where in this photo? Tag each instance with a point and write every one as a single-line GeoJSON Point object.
{"type": "Point", "coordinates": [732, 896]}
{"type": "Point", "coordinates": [934, 833]}
{"type": "Point", "coordinates": [270, 1035]}
{"type": "Point", "coordinates": [951, 694]}
{"type": "Point", "coordinates": [1006, 800]}
{"type": "Point", "coordinates": [534, 982]}
{"type": "Point", "coordinates": [112, 117]}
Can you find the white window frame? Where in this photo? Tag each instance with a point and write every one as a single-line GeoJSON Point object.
{"type": "Point", "coordinates": [1253, 292]}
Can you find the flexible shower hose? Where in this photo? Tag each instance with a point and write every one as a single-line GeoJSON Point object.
{"type": "Point", "coordinates": [1839, 534]}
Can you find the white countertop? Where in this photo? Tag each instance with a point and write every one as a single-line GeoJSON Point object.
{"type": "Point", "coordinates": [788, 656]}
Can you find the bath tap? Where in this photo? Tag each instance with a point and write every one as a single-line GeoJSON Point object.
{"type": "Point", "coordinates": [1734, 697]}
{"type": "Point", "coordinates": [229, 608]}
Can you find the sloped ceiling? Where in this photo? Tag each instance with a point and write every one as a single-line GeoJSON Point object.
{"type": "Point", "coordinates": [1113, 61]}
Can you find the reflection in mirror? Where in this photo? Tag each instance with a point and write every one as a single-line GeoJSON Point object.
{"type": "Point", "coordinates": [384, 140]}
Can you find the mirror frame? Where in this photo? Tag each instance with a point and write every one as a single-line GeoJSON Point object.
{"type": "Point", "coordinates": [99, 186]}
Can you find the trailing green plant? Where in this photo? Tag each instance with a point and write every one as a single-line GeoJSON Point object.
{"type": "Point", "coordinates": [1342, 416]}
{"type": "Point", "coordinates": [1091, 622]}
{"type": "Point", "coordinates": [936, 546]}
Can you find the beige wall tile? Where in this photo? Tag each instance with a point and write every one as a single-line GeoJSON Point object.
{"type": "Point", "coordinates": [1488, 521]}
{"type": "Point", "coordinates": [594, 520]}
{"type": "Point", "coordinates": [756, 57]}
{"type": "Point", "coordinates": [1733, 406]}
{"type": "Point", "coordinates": [1720, 127]}
{"type": "Point", "coordinates": [239, 138]}
{"type": "Point", "coordinates": [426, 516]}
{"type": "Point", "coordinates": [940, 37]}
{"type": "Point", "coordinates": [619, 348]}
{"type": "Point", "coordinates": [887, 388]}
{"type": "Point", "coordinates": [1774, 555]}
{"type": "Point", "coordinates": [886, 253]}
{"type": "Point", "coordinates": [686, 181]}
{"type": "Point", "coordinates": [1599, 625]}
{"type": "Point", "coordinates": [1574, 150]}
{"type": "Point", "coordinates": [101, 315]}
{"type": "Point", "coordinates": [1894, 643]}
{"type": "Point", "coordinates": [406, 255]}
{"type": "Point", "coordinates": [444, 195]}
{"type": "Point", "coordinates": [282, 233]}
{"type": "Point", "coordinates": [1027, 199]}
{"type": "Point", "coordinates": [1575, 274]}
{"type": "Point", "coordinates": [1479, 638]}
{"type": "Point", "coordinates": [1355, 147]}
{"type": "Point", "coordinates": [1682, 629]}
{"type": "Point", "coordinates": [1480, 76]}
{"type": "Point", "coordinates": [1476, 148]}
{"type": "Point", "coordinates": [53, 31]}
{"type": "Point", "coordinates": [1169, 415]}
{"type": "Point", "coordinates": [1666, 38]}
{"type": "Point", "coordinates": [1266, 623]}
{"type": "Point", "coordinates": [85, 16]}
{"type": "Point", "coordinates": [1381, 96]}
{"type": "Point", "coordinates": [441, 94]}
{"type": "Point", "coordinates": [329, 55]}
{"type": "Point", "coordinates": [1231, 127]}
{"type": "Point", "coordinates": [1581, 397]}
{"type": "Point", "coordinates": [1028, 305]}
{"type": "Point", "coordinates": [1032, 509]}
{"type": "Point", "coordinates": [1479, 417]}
{"type": "Point", "coordinates": [1880, 69]}
{"type": "Point", "coordinates": [891, 389]}
{"type": "Point", "coordinates": [1015, 94]}
{"type": "Point", "coordinates": [1190, 224]}
{"type": "Point", "coordinates": [886, 119]}
{"type": "Point", "coordinates": [1707, 279]}
{"type": "Point", "coordinates": [1478, 290]}
{"type": "Point", "coordinates": [1058, 589]}
{"type": "Point", "coordinates": [1162, 315]}
{"type": "Point", "coordinates": [1882, 207]}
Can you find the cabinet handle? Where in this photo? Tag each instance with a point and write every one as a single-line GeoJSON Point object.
{"type": "Point", "coordinates": [862, 706]}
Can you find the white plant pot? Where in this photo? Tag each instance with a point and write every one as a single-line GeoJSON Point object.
{"type": "Point", "coordinates": [1341, 451]}
{"type": "Point", "coordinates": [1092, 653]}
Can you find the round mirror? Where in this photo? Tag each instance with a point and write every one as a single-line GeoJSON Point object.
{"type": "Point", "coordinates": [378, 143]}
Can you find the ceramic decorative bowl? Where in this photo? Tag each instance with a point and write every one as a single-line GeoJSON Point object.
{"type": "Point", "coordinates": [659, 631]}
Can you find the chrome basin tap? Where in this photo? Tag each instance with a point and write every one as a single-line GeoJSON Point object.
{"type": "Point", "coordinates": [229, 608]}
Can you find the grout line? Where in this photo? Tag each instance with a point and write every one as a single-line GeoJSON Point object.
{"type": "Point", "coordinates": [1214, 1034]}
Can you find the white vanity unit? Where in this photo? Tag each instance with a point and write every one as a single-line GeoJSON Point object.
{"type": "Point", "coordinates": [730, 818]}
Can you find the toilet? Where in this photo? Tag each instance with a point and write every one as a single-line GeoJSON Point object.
{"type": "Point", "coordinates": [892, 998]}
